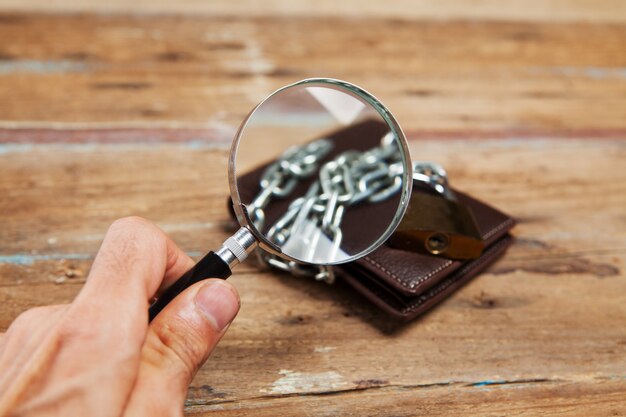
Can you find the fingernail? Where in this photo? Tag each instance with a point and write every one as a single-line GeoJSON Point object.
{"type": "Point", "coordinates": [218, 302]}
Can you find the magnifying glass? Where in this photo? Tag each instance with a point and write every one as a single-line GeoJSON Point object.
{"type": "Point", "coordinates": [319, 175]}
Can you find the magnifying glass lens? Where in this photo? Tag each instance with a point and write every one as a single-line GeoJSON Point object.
{"type": "Point", "coordinates": [319, 171]}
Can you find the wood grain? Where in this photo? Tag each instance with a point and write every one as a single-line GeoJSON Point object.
{"type": "Point", "coordinates": [544, 317]}
{"type": "Point", "coordinates": [132, 111]}
{"type": "Point", "coordinates": [513, 10]}
{"type": "Point", "coordinates": [201, 71]}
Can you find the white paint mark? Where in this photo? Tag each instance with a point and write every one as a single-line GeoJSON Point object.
{"type": "Point", "coordinates": [255, 60]}
{"type": "Point", "coordinates": [156, 34]}
{"type": "Point", "coordinates": [52, 240]}
{"type": "Point", "coordinates": [597, 73]}
{"type": "Point", "coordinates": [324, 349]}
{"type": "Point", "coordinates": [219, 37]}
{"type": "Point", "coordinates": [304, 382]}
{"type": "Point", "coordinates": [32, 66]}
{"type": "Point", "coordinates": [183, 227]}
{"type": "Point", "coordinates": [250, 60]}
{"type": "Point", "coordinates": [125, 32]}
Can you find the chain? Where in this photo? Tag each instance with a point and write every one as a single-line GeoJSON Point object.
{"type": "Point", "coordinates": [351, 178]}
{"type": "Point", "coordinates": [280, 178]}
{"type": "Point", "coordinates": [434, 176]}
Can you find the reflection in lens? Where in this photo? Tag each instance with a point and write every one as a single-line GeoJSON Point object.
{"type": "Point", "coordinates": [320, 173]}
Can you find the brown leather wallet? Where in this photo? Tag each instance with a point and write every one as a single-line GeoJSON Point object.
{"type": "Point", "coordinates": [407, 284]}
{"type": "Point", "coordinates": [402, 283]}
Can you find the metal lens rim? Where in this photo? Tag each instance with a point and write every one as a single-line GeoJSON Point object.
{"type": "Point", "coordinates": [407, 180]}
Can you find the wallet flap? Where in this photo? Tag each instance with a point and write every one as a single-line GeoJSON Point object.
{"type": "Point", "coordinates": [412, 273]}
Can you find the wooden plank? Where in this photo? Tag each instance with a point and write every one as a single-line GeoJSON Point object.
{"type": "Point", "coordinates": [541, 330]}
{"type": "Point", "coordinates": [206, 71]}
{"type": "Point", "coordinates": [531, 10]}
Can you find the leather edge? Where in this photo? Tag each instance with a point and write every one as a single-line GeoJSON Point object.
{"type": "Point", "coordinates": [420, 303]}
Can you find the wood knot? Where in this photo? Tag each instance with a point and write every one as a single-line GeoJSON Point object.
{"type": "Point", "coordinates": [296, 319]}
{"type": "Point", "coordinates": [483, 300]}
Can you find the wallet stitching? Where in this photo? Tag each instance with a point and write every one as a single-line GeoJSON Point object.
{"type": "Point", "coordinates": [421, 300]}
{"type": "Point", "coordinates": [448, 263]}
{"type": "Point", "coordinates": [415, 282]}
{"type": "Point", "coordinates": [497, 229]}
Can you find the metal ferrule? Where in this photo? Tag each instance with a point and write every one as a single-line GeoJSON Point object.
{"type": "Point", "coordinates": [236, 248]}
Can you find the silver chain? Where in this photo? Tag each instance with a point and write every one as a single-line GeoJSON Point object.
{"type": "Point", "coordinates": [434, 176]}
{"type": "Point", "coordinates": [280, 178]}
{"type": "Point", "coordinates": [351, 178]}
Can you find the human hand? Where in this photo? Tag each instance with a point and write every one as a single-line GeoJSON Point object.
{"type": "Point", "coordinates": [98, 356]}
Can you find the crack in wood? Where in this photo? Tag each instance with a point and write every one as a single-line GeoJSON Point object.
{"type": "Point", "coordinates": [191, 404]}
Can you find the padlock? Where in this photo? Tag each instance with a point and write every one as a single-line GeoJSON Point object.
{"type": "Point", "coordinates": [437, 223]}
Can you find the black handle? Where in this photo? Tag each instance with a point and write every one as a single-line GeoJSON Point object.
{"type": "Point", "coordinates": [211, 266]}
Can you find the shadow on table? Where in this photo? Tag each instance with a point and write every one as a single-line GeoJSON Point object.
{"type": "Point", "coordinates": [340, 293]}
{"type": "Point", "coordinates": [352, 303]}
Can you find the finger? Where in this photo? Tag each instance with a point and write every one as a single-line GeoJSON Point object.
{"type": "Point", "coordinates": [24, 351]}
{"type": "Point", "coordinates": [28, 329]}
{"type": "Point", "coordinates": [179, 341]}
{"type": "Point", "coordinates": [136, 247]}
{"type": "Point", "coordinates": [133, 261]}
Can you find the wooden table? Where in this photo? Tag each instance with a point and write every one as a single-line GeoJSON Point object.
{"type": "Point", "coordinates": [121, 108]}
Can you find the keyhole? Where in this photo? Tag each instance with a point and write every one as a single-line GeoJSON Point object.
{"type": "Point", "coordinates": [437, 243]}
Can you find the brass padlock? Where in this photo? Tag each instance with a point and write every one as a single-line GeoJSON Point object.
{"type": "Point", "coordinates": [437, 223]}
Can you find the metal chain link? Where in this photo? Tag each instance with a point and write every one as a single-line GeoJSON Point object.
{"type": "Point", "coordinates": [280, 178]}
{"type": "Point", "coordinates": [351, 178]}
{"type": "Point", "coordinates": [434, 176]}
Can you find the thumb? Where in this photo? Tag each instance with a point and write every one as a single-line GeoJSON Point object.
{"type": "Point", "coordinates": [179, 341]}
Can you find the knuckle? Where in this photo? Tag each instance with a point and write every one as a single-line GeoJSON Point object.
{"type": "Point", "coordinates": [129, 221]}
{"type": "Point", "coordinates": [32, 321]}
{"type": "Point", "coordinates": [136, 231]}
{"type": "Point", "coordinates": [129, 239]}
{"type": "Point", "coordinates": [73, 329]}
{"type": "Point", "coordinates": [126, 227]}
{"type": "Point", "coordinates": [35, 316]}
{"type": "Point", "coordinates": [28, 316]}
